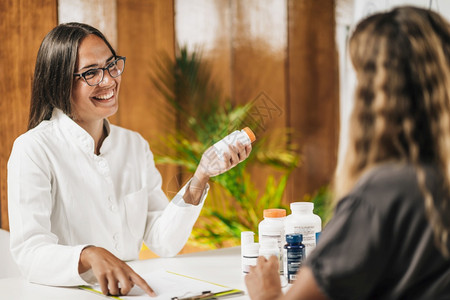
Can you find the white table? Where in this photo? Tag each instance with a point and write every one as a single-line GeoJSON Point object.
{"type": "Point", "coordinates": [222, 266]}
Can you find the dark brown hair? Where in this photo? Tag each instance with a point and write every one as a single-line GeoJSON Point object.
{"type": "Point", "coordinates": [55, 65]}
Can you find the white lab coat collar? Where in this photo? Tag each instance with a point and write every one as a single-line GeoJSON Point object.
{"type": "Point", "coordinates": [80, 136]}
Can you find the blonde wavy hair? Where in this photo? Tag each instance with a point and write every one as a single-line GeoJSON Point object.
{"type": "Point", "coordinates": [402, 102]}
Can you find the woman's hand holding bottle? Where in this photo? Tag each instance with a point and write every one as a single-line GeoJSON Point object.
{"type": "Point", "coordinates": [219, 158]}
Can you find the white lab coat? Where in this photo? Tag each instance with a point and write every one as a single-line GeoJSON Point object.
{"type": "Point", "coordinates": [62, 197]}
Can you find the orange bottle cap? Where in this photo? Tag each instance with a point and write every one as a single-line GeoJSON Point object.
{"type": "Point", "coordinates": [274, 213]}
{"type": "Point", "coordinates": [250, 134]}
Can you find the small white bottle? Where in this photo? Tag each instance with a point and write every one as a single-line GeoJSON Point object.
{"type": "Point", "coordinates": [247, 238]}
{"type": "Point", "coordinates": [245, 136]}
{"type": "Point", "coordinates": [272, 228]}
{"type": "Point", "coordinates": [304, 221]}
{"type": "Point", "coordinates": [250, 255]}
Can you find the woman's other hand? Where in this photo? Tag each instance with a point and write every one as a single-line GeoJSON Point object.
{"type": "Point", "coordinates": [114, 276]}
{"type": "Point", "coordinates": [263, 280]}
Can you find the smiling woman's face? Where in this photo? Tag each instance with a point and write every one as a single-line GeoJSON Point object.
{"type": "Point", "coordinates": [94, 103]}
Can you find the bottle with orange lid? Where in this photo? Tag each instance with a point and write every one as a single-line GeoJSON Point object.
{"type": "Point", "coordinates": [245, 136]}
{"type": "Point", "coordinates": [272, 228]}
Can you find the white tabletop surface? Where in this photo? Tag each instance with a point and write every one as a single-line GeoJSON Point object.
{"type": "Point", "coordinates": [222, 266]}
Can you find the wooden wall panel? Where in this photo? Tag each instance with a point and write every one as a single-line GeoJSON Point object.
{"type": "Point", "coordinates": [259, 54]}
{"type": "Point", "coordinates": [259, 47]}
{"type": "Point", "coordinates": [206, 26]}
{"type": "Point", "coordinates": [145, 32]}
{"type": "Point", "coordinates": [22, 28]}
{"type": "Point", "coordinates": [313, 92]}
{"type": "Point", "coordinates": [102, 14]}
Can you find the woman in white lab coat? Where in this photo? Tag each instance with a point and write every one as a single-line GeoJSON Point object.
{"type": "Point", "coordinates": [84, 194]}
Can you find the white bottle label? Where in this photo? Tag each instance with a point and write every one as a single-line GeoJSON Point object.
{"type": "Point", "coordinates": [277, 237]}
{"type": "Point", "coordinates": [248, 261]}
{"type": "Point", "coordinates": [309, 236]}
{"type": "Point", "coordinates": [223, 145]}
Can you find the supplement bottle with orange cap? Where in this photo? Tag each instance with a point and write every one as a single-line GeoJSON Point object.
{"type": "Point", "coordinates": [245, 136]}
{"type": "Point", "coordinates": [272, 228]}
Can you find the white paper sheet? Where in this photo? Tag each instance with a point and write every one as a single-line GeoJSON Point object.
{"type": "Point", "coordinates": [167, 284]}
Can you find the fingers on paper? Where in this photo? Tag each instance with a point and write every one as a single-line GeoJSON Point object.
{"type": "Point", "coordinates": [118, 282]}
{"type": "Point", "coordinates": [143, 285]}
{"type": "Point", "coordinates": [113, 284]}
{"type": "Point", "coordinates": [103, 285]}
{"type": "Point", "coordinates": [126, 284]}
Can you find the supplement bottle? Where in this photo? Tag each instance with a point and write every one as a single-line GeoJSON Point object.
{"type": "Point", "coordinates": [247, 238]}
{"type": "Point", "coordinates": [250, 254]}
{"type": "Point", "coordinates": [245, 136]}
{"type": "Point", "coordinates": [272, 228]}
{"type": "Point", "coordinates": [268, 248]}
{"type": "Point", "coordinates": [294, 254]}
{"type": "Point", "coordinates": [304, 221]}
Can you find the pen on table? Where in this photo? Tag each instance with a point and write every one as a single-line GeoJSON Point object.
{"type": "Point", "coordinates": [209, 295]}
{"type": "Point", "coordinates": [203, 295]}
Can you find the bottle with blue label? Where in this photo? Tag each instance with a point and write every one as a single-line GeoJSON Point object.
{"type": "Point", "coordinates": [294, 254]}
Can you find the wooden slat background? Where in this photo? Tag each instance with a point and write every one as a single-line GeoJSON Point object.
{"type": "Point", "coordinates": [283, 48]}
{"type": "Point", "coordinates": [145, 31]}
{"type": "Point", "coordinates": [313, 92]}
{"type": "Point", "coordinates": [22, 28]}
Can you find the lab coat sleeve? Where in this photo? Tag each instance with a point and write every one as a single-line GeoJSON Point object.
{"type": "Point", "coordinates": [33, 246]}
{"type": "Point", "coordinates": [168, 226]}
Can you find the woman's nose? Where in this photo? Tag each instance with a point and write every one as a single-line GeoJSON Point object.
{"type": "Point", "coordinates": [107, 79]}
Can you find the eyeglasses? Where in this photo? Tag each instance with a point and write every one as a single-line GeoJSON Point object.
{"type": "Point", "coordinates": [94, 77]}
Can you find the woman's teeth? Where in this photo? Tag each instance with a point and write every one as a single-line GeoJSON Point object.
{"type": "Point", "coordinates": [105, 96]}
